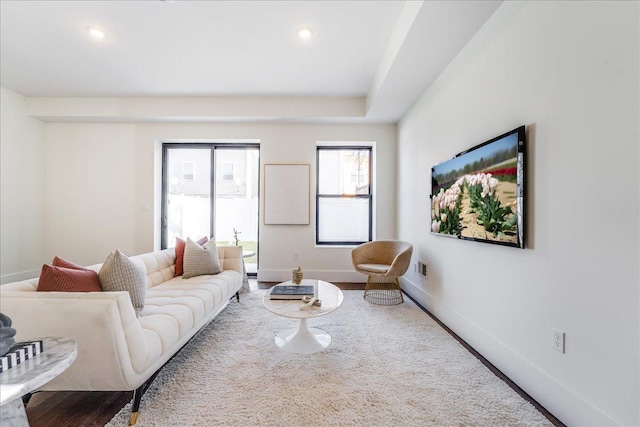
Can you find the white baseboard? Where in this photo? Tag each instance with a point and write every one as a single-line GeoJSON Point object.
{"type": "Point", "coordinates": [345, 276]}
{"type": "Point", "coordinates": [18, 277]}
{"type": "Point", "coordinates": [563, 403]}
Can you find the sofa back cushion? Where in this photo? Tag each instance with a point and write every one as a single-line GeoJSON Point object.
{"type": "Point", "coordinates": [158, 266]}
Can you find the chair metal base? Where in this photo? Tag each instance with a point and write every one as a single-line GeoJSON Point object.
{"type": "Point", "coordinates": [383, 293]}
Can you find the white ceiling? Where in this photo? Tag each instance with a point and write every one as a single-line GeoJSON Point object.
{"type": "Point", "coordinates": [235, 48]}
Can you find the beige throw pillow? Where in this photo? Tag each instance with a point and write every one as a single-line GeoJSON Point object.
{"type": "Point", "coordinates": [119, 273]}
{"type": "Point", "coordinates": [199, 260]}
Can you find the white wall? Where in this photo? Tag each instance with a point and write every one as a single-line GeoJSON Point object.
{"type": "Point", "coordinates": [92, 204]}
{"type": "Point", "coordinates": [22, 192]}
{"type": "Point", "coordinates": [569, 71]}
{"type": "Point", "coordinates": [99, 177]}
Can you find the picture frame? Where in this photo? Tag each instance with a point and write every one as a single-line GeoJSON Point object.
{"type": "Point", "coordinates": [479, 194]}
{"type": "Point", "coordinates": [286, 194]}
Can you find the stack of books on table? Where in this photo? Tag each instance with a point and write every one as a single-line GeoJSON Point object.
{"type": "Point", "coordinates": [291, 291]}
{"type": "Point", "coordinates": [19, 352]}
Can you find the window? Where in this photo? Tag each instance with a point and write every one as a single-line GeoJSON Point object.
{"type": "Point", "coordinates": [227, 171]}
{"type": "Point", "coordinates": [343, 195]}
{"type": "Point", "coordinates": [188, 171]}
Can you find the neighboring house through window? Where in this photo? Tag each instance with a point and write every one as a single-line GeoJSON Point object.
{"type": "Point", "coordinates": [344, 208]}
{"type": "Point", "coordinates": [188, 171]}
{"type": "Point", "coordinates": [227, 171]}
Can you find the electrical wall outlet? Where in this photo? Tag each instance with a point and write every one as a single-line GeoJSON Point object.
{"type": "Point", "coordinates": [421, 268]}
{"type": "Point", "coordinates": [557, 340]}
{"type": "Point", "coordinates": [296, 257]}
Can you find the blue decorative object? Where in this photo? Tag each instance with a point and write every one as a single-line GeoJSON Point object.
{"type": "Point", "coordinates": [6, 334]}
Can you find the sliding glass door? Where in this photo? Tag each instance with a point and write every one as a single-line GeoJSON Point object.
{"type": "Point", "coordinates": [236, 200]}
{"type": "Point", "coordinates": [187, 194]}
{"type": "Point", "coordinates": [212, 190]}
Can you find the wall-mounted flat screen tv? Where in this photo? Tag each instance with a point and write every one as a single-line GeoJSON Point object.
{"type": "Point", "coordinates": [480, 193]}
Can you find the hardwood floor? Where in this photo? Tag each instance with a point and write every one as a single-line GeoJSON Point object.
{"type": "Point", "coordinates": [79, 409]}
{"type": "Point", "coordinates": [75, 408]}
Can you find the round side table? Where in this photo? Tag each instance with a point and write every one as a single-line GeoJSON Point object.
{"type": "Point", "coordinates": [57, 355]}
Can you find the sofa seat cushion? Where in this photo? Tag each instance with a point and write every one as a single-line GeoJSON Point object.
{"type": "Point", "coordinates": [164, 327]}
{"type": "Point", "coordinates": [185, 311]}
{"type": "Point", "coordinates": [173, 308]}
{"type": "Point", "coordinates": [217, 288]}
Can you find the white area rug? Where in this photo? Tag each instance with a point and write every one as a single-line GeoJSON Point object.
{"type": "Point", "coordinates": [386, 366]}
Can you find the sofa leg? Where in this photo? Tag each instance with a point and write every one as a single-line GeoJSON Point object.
{"type": "Point", "coordinates": [238, 296]}
{"type": "Point", "coordinates": [137, 397]}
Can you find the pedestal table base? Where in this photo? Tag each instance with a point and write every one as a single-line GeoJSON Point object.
{"type": "Point", "coordinates": [303, 340]}
{"type": "Point", "coordinates": [13, 414]}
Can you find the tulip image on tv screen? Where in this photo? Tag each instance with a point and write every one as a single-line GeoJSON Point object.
{"type": "Point", "coordinates": [479, 194]}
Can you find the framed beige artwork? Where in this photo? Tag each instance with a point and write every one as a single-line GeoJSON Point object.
{"type": "Point", "coordinates": [286, 194]}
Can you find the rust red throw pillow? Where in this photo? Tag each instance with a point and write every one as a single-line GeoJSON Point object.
{"type": "Point", "coordinates": [59, 262]}
{"type": "Point", "coordinates": [180, 244]}
{"type": "Point", "coordinates": [62, 279]}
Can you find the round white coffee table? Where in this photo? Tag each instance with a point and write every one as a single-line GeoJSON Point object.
{"type": "Point", "coordinates": [305, 340]}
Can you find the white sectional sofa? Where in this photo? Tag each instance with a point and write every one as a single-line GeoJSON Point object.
{"type": "Point", "coordinates": [117, 350]}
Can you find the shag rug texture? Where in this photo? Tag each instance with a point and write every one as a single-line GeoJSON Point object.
{"type": "Point", "coordinates": [386, 366]}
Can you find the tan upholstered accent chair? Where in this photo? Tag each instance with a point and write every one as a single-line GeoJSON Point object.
{"type": "Point", "coordinates": [383, 261]}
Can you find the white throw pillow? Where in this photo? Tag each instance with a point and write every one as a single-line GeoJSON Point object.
{"type": "Point", "coordinates": [200, 260]}
{"type": "Point", "coordinates": [119, 273]}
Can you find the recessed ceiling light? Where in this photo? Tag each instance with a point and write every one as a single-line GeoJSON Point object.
{"type": "Point", "coordinates": [304, 34]}
{"type": "Point", "coordinates": [97, 33]}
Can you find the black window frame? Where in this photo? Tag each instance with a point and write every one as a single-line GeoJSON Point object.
{"type": "Point", "coordinates": [368, 196]}
{"type": "Point", "coordinates": [213, 146]}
